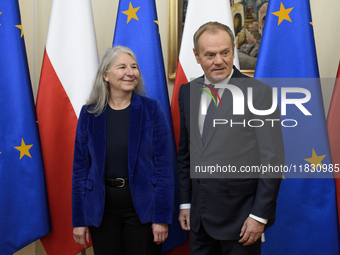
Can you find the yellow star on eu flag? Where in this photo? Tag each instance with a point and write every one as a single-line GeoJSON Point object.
{"type": "Point", "coordinates": [283, 14]}
{"type": "Point", "coordinates": [131, 13]}
{"type": "Point", "coordinates": [22, 31]}
{"type": "Point", "coordinates": [0, 14]}
{"type": "Point", "coordinates": [315, 160]}
{"type": "Point", "coordinates": [156, 21]}
{"type": "Point", "coordinates": [24, 149]}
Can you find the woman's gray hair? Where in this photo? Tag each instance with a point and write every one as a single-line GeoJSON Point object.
{"type": "Point", "coordinates": [101, 89]}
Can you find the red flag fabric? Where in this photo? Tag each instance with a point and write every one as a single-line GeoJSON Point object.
{"type": "Point", "coordinates": [198, 13]}
{"type": "Point", "coordinates": [180, 79]}
{"type": "Point", "coordinates": [69, 67]}
{"type": "Point", "coordinates": [333, 126]}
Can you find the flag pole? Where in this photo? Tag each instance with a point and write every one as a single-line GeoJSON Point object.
{"type": "Point", "coordinates": [34, 62]}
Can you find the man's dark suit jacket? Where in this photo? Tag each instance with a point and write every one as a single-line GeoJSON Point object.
{"type": "Point", "coordinates": [223, 204]}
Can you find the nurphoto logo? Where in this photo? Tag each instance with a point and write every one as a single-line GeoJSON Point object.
{"type": "Point", "coordinates": [239, 104]}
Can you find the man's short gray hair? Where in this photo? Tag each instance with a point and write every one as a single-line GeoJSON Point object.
{"type": "Point", "coordinates": [213, 27]}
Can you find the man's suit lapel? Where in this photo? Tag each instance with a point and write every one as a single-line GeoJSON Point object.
{"type": "Point", "coordinates": [227, 101]}
{"type": "Point", "coordinates": [195, 99]}
{"type": "Point", "coordinates": [136, 118]}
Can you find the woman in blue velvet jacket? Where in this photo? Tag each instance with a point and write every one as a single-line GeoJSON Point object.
{"type": "Point", "coordinates": [122, 183]}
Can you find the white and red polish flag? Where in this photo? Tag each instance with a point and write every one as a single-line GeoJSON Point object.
{"type": "Point", "coordinates": [68, 70]}
{"type": "Point", "coordinates": [198, 13]}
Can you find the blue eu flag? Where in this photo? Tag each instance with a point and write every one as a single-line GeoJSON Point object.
{"type": "Point", "coordinates": [137, 28]}
{"type": "Point", "coordinates": [24, 215]}
{"type": "Point", "coordinates": [306, 207]}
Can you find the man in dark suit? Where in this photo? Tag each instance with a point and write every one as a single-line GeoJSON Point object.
{"type": "Point", "coordinates": [225, 203]}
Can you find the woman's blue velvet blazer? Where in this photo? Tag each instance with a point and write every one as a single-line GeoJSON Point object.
{"type": "Point", "coordinates": [150, 165]}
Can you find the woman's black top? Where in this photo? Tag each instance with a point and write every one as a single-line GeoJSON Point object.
{"type": "Point", "coordinates": [117, 136]}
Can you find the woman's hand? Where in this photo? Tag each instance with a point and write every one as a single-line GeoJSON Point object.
{"type": "Point", "coordinates": [160, 232]}
{"type": "Point", "coordinates": [79, 235]}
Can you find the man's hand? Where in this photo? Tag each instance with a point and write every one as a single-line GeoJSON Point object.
{"type": "Point", "coordinates": [160, 232]}
{"type": "Point", "coordinates": [184, 219]}
{"type": "Point", "coordinates": [79, 235]}
{"type": "Point", "coordinates": [251, 231]}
